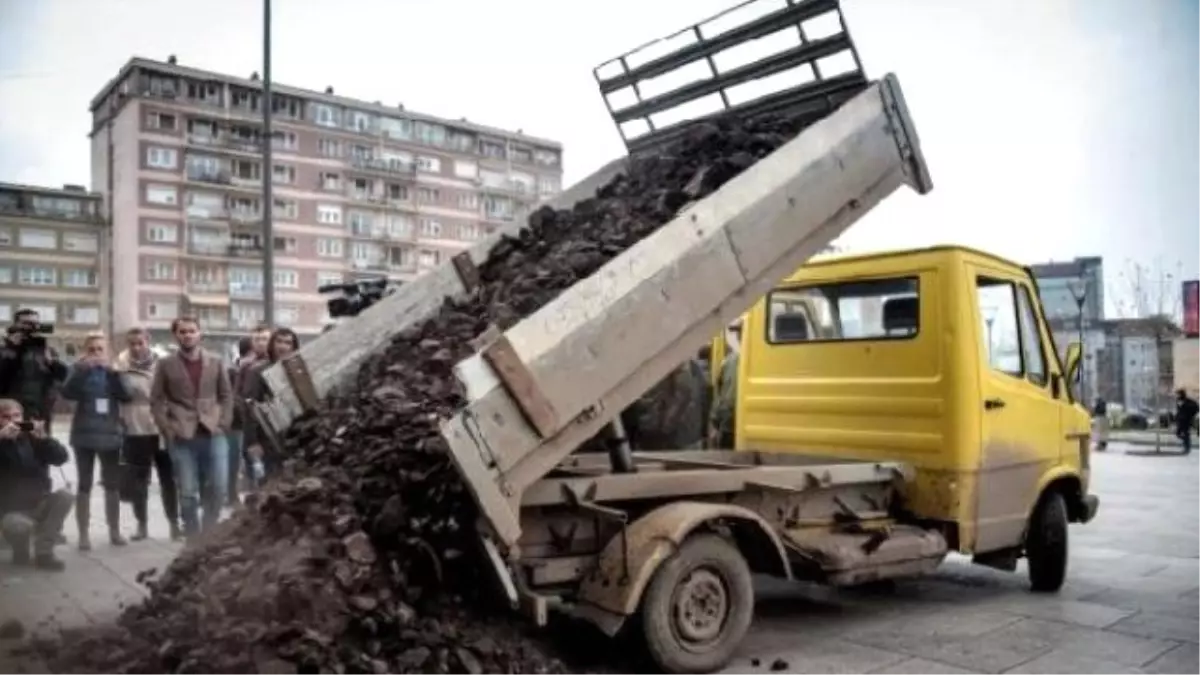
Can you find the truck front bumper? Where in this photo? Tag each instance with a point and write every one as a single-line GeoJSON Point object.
{"type": "Point", "coordinates": [1088, 506]}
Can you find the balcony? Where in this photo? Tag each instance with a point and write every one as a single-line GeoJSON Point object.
{"type": "Point", "coordinates": [216, 248]}
{"type": "Point", "coordinates": [24, 206]}
{"type": "Point", "coordinates": [206, 176]}
{"type": "Point", "coordinates": [383, 166]}
{"type": "Point", "coordinates": [245, 217]}
{"type": "Point", "coordinates": [244, 290]}
{"type": "Point", "coordinates": [252, 251]}
{"type": "Point", "coordinates": [365, 197]}
{"type": "Point", "coordinates": [207, 287]}
{"type": "Point", "coordinates": [498, 216]}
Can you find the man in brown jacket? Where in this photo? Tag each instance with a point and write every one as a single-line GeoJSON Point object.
{"type": "Point", "coordinates": [192, 402]}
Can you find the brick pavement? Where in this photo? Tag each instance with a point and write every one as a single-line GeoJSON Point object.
{"type": "Point", "coordinates": [1130, 604]}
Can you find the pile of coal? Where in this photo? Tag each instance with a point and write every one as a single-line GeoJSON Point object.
{"type": "Point", "coordinates": [362, 558]}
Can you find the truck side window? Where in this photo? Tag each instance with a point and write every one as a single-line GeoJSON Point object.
{"type": "Point", "coordinates": [874, 309]}
{"type": "Point", "coordinates": [1031, 341]}
{"type": "Point", "coordinates": [1001, 333]}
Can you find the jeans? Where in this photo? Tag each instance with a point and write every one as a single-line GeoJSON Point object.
{"type": "Point", "coordinates": [1185, 437]}
{"type": "Point", "coordinates": [200, 460]}
{"type": "Point", "coordinates": [233, 440]}
{"type": "Point", "coordinates": [43, 524]}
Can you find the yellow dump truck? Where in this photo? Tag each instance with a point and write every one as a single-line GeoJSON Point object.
{"type": "Point", "coordinates": [891, 408]}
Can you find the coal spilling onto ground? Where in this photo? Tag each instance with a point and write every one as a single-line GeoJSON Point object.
{"type": "Point", "coordinates": [362, 557]}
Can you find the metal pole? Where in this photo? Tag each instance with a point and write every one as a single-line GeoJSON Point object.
{"type": "Point", "coordinates": [268, 176]}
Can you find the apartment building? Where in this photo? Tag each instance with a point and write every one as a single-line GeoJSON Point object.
{"type": "Point", "coordinates": [52, 246]}
{"type": "Point", "coordinates": [360, 189]}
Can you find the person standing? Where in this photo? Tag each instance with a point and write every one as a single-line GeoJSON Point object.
{"type": "Point", "coordinates": [29, 506]}
{"type": "Point", "coordinates": [283, 342]}
{"type": "Point", "coordinates": [192, 403]}
{"type": "Point", "coordinates": [30, 371]}
{"type": "Point", "coordinates": [143, 448]}
{"type": "Point", "coordinates": [1186, 410]}
{"type": "Point", "coordinates": [251, 349]}
{"type": "Point", "coordinates": [97, 432]}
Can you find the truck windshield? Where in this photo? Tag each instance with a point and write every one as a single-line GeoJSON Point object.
{"type": "Point", "coordinates": [878, 309]}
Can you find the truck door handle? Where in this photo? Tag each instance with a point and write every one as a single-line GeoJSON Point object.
{"type": "Point", "coordinates": [993, 403]}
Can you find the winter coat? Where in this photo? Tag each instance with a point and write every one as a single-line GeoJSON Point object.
{"type": "Point", "coordinates": [98, 392]}
{"type": "Point", "coordinates": [31, 375]}
{"type": "Point", "coordinates": [25, 464]}
{"type": "Point", "coordinates": [138, 418]}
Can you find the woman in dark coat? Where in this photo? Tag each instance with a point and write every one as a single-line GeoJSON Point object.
{"type": "Point", "coordinates": [97, 433]}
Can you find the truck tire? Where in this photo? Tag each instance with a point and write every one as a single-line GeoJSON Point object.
{"type": "Point", "coordinates": [698, 606]}
{"type": "Point", "coordinates": [1046, 544]}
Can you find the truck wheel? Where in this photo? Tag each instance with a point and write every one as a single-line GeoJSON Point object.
{"type": "Point", "coordinates": [698, 606]}
{"type": "Point", "coordinates": [1046, 544]}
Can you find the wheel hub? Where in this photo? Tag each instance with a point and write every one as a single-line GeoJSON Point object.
{"type": "Point", "coordinates": [700, 606]}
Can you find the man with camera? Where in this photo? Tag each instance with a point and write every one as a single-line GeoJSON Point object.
{"type": "Point", "coordinates": [31, 512]}
{"type": "Point", "coordinates": [30, 370]}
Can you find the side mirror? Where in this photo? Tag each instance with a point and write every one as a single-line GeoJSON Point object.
{"type": "Point", "coordinates": [1074, 359]}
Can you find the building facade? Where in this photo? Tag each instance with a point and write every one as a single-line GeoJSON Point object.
{"type": "Point", "coordinates": [1059, 282]}
{"type": "Point", "coordinates": [53, 252]}
{"type": "Point", "coordinates": [1136, 362]}
{"type": "Point", "coordinates": [360, 190]}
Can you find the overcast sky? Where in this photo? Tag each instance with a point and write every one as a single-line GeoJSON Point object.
{"type": "Point", "coordinates": [1052, 128]}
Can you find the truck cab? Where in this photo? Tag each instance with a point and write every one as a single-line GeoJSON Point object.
{"type": "Point", "coordinates": [940, 358]}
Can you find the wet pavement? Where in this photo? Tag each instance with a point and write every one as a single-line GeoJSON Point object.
{"type": "Point", "coordinates": [1130, 604]}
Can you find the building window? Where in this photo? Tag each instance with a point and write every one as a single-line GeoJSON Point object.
{"type": "Point", "coordinates": [6, 313]}
{"type": "Point", "coordinates": [397, 192]}
{"type": "Point", "coordinates": [430, 258]}
{"type": "Point", "coordinates": [46, 313]}
{"type": "Point", "coordinates": [428, 195]}
{"type": "Point", "coordinates": [83, 315]}
{"type": "Point", "coordinates": [326, 278]}
{"type": "Point", "coordinates": [468, 232]}
{"type": "Point", "coordinates": [524, 155]}
{"type": "Point", "coordinates": [360, 223]}
{"type": "Point", "coordinates": [283, 174]}
{"type": "Point", "coordinates": [286, 245]}
{"type": "Point", "coordinates": [330, 248]}
{"type": "Point", "coordinates": [491, 149]}
{"type": "Point", "coordinates": [162, 309]}
{"type": "Point", "coordinates": [6, 238]}
{"type": "Point", "coordinates": [430, 228]}
{"type": "Point", "coordinates": [287, 209]}
{"type": "Point", "coordinates": [162, 158]}
{"type": "Point", "coordinates": [465, 168]}
{"type": "Point", "coordinates": [161, 121]}
{"type": "Point", "coordinates": [79, 278]}
{"type": "Point", "coordinates": [329, 147]}
{"type": "Point", "coordinates": [328, 214]}
{"type": "Point", "coordinates": [287, 279]}
{"type": "Point", "coordinates": [6, 275]}
{"type": "Point", "coordinates": [38, 239]}
{"type": "Point", "coordinates": [81, 242]}
{"type": "Point", "coordinates": [399, 226]}
{"type": "Point", "coordinates": [429, 164]}
{"type": "Point", "coordinates": [468, 201]}
{"type": "Point", "coordinates": [38, 276]}
{"type": "Point", "coordinates": [285, 140]}
{"type": "Point", "coordinates": [162, 233]}
{"type": "Point", "coordinates": [432, 134]}
{"type": "Point", "coordinates": [287, 315]}
{"type": "Point", "coordinates": [165, 195]}
{"type": "Point", "coordinates": [160, 271]}
{"type": "Point", "coordinates": [547, 185]}
{"type": "Point", "coordinates": [324, 114]}
{"type": "Point", "coordinates": [394, 128]}
{"type": "Point", "coordinates": [360, 121]}
{"type": "Point", "coordinates": [331, 181]}
{"type": "Point", "coordinates": [545, 157]}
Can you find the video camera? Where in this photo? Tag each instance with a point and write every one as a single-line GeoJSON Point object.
{"type": "Point", "coordinates": [357, 296]}
{"type": "Point", "coordinates": [35, 333]}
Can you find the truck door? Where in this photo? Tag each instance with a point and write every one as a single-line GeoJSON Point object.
{"type": "Point", "coordinates": [1020, 418]}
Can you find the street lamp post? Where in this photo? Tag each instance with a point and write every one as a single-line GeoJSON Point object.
{"type": "Point", "coordinates": [1079, 293]}
{"type": "Point", "coordinates": [268, 176]}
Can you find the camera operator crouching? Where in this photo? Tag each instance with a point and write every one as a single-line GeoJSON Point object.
{"type": "Point", "coordinates": [30, 370]}
{"type": "Point", "coordinates": [31, 511]}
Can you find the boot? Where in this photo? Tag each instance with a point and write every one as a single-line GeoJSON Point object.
{"type": "Point", "coordinates": [83, 518]}
{"type": "Point", "coordinates": [139, 514]}
{"type": "Point", "coordinates": [20, 550]}
{"type": "Point", "coordinates": [176, 531]}
{"type": "Point", "coordinates": [112, 514]}
{"type": "Point", "coordinates": [49, 561]}
{"type": "Point", "coordinates": [142, 533]}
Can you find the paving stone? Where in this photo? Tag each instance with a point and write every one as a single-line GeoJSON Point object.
{"type": "Point", "coordinates": [1147, 624]}
{"type": "Point", "coordinates": [921, 666]}
{"type": "Point", "coordinates": [809, 655]}
{"type": "Point", "coordinates": [1186, 604]}
{"type": "Point", "coordinates": [1089, 614]}
{"type": "Point", "coordinates": [1183, 659]}
{"type": "Point", "coordinates": [1071, 661]}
